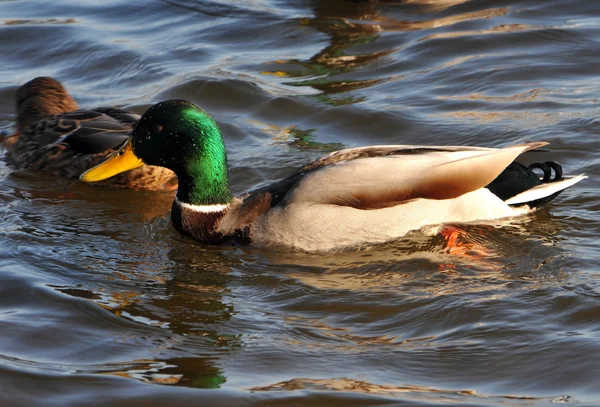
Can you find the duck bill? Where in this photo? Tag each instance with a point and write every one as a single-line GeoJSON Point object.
{"type": "Point", "coordinates": [122, 160]}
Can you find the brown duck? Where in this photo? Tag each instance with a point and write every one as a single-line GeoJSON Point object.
{"type": "Point", "coordinates": [54, 135]}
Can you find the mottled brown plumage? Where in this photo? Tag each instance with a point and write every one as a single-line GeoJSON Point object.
{"type": "Point", "coordinates": [53, 135]}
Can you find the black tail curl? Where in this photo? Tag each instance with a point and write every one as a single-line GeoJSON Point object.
{"type": "Point", "coordinates": [547, 167]}
{"type": "Point", "coordinates": [517, 178]}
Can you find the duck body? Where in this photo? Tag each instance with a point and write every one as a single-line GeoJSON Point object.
{"type": "Point", "coordinates": [54, 135]}
{"type": "Point", "coordinates": [363, 196]}
{"type": "Point", "coordinates": [348, 198]}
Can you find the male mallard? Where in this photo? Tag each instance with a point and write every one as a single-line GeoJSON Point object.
{"type": "Point", "coordinates": [347, 198]}
{"type": "Point", "coordinates": [53, 135]}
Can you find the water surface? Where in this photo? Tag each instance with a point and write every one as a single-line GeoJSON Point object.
{"type": "Point", "coordinates": [103, 303]}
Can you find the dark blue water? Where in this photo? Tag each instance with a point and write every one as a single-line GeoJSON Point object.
{"type": "Point", "coordinates": [103, 303]}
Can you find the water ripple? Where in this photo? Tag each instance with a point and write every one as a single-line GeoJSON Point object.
{"type": "Point", "coordinates": [98, 291]}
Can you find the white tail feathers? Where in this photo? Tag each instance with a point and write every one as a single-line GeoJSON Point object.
{"type": "Point", "coordinates": [544, 190]}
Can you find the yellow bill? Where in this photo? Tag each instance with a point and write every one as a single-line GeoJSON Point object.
{"type": "Point", "coordinates": [121, 161]}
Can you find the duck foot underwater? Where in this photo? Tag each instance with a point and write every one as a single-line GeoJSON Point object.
{"type": "Point", "coordinates": [349, 198]}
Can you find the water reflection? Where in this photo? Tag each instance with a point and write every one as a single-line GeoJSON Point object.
{"type": "Point", "coordinates": [436, 261]}
{"type": "Point", "coordinates": [410, 392]}
{"type": "Point", "coordinates": [196, 372]}
{"type": "Point", "coordinates": [336, 68]}
{"type": "Point", "coordinates": [430, 5]}
{"type": "Point", "coordinates": [505, 28]}
{"type": "Point", "coordinates": [41, 21]}
{"type": "Point", "coordinates": [467, 316]}
{"type": "Point", "coordinates": [188, 300]}
{"type": "Point", "coordinates": [296, 137]}
{"type": "Point", "coordinates": [340, 22]}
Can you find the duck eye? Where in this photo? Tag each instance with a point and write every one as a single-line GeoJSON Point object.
{"type": "Point", "coordinates": [121, 152]}
{"type": "Point", "coordinates": [157, 128]}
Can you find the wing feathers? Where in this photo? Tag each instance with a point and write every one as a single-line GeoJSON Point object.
{"type": "Point", "coordinates": [458, 177]}
{"type": "Point", "coordinates": [89, 131]}
{"type": "Point", "coordinates": [401, 173]}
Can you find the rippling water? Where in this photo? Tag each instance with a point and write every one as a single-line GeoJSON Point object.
{"type": "Point", "coordinates": [102, 302]}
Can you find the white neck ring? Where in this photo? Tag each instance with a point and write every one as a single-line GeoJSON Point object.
{"type": "Point", "coordinates": [202, 208]}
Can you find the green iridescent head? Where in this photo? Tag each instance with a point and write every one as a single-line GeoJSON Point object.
{"type": "Point", "coordinates": [178, 135]}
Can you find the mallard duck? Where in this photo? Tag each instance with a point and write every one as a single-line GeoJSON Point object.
{"type": "Point", "coordinates": [348, 198]}
{"type": "Point", "coordinates": [53, 134]}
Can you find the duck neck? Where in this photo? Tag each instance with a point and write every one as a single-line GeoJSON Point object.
{"type": "Point", "coordinates": [203, 198]}
{"type": "Point", "coordinates": [202, 170]}
{"type": "Point", "coordinates": [204, 190]}
{"type": "Point", "coordinates": [199, 221]}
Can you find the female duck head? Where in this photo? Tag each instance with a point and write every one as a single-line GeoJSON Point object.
{"type": "Point", "coordinates": [39, 98]}
{"type": "Point", "coordinates": [178, 135]}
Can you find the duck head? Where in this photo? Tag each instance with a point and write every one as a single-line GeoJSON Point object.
{"type": "Point", "coordinates": [180, 136]}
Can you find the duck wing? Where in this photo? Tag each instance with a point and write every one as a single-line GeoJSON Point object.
{"type": "Point", "coordinates": [86, 131]}
{"type": "Point", "coordinates": [383, 151]}
{"type": "Point", "coordinates": [384, 176]}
